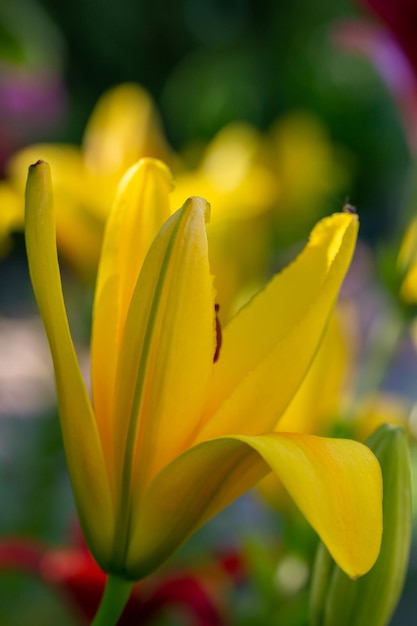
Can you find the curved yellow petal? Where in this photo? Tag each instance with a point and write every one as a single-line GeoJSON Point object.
{"type": "Point", "coordinates": [336, 484]}
{"type": "Point", "coordinates": [166, 354]}
{"type": "Point", "coordinates": [317, 402]}
{"type": "Point", "coordinates": [85, 460]}
{"type": "Point", "coordinates": [268, 347]}
{"type": "Point", "coordinates": [140, 208]}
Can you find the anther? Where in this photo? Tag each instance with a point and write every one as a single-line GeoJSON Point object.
{"type": "Point", "coordinates": [218, 334]}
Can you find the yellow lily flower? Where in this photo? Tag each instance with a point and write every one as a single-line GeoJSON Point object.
{"type": "Point", "coordinates": [173, 435]}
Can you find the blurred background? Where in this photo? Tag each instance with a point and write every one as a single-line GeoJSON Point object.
{"type": "Point", "coordinates": [206, 63]}
{"type": "Point", "coordinates": [325, 96]}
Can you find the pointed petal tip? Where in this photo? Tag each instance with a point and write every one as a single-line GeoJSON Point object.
{"type": "Point", "coordinates": [199, 204]}
{"type": "Point", "coordinates": [343, 216]}
{"type": "Point", "coordinates": [151, 163]}
{"type": "Point", "coordinates": [38, 162]}
{"type": "Point", "coordinates": [338, 232]}
{"type": "Point", "coordinates": [37, 168]}
{"type": "Point", "coordinates": [351, 218]}
{"type": "Point", "coordinates": [38, 192]}
{"type": "Point", "coordinates": [147, 166]}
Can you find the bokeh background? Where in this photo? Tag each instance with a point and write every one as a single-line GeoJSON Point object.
{"type": "Point", "coordinates": [282, 67]}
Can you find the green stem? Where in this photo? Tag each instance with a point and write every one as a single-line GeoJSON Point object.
{"type": "Point", "coordinates": [114, 599]}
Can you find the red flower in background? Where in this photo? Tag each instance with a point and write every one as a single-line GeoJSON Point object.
{"type": "Point", "coordinates": [193, 594]}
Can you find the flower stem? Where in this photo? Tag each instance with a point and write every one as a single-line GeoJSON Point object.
{"type": "Point", "coordinates": [114, 599]}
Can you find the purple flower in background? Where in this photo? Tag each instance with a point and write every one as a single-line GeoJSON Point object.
{"type": "Point", "coordinates": [32, 92]}
{"type": "Point", "coordinates": [400, 17]}
{"type": "Point", "coordinates": [31, 103]}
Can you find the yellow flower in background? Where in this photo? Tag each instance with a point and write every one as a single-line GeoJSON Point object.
{"type": "Point", "coordinates": [289, 171]}
{"type": "Point", "coordinates": [244, 190]}
{"type": "Point", "coordinates": [265, 189]}
{"type": "Point", "coordinates": [10, 216]}
{"type": "Point", "coordinates": [407, 264]}
{"type": "Point", "coordinates": [173, 435]}
{"type": "Point", "coordinates": [310, 169]}
{"type": "Point", "coordinates": [123, 127]}
{"type": "Point", "coordinates": [233, 171]}
{"type": "Point", "coordinates": [382, 408]}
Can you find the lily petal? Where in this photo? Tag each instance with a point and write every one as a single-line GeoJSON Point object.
{"type": "Point", "coordinates": [318, 398]}
{"type": "Point", "coordinates": [85, 460]}
{"type": "Point", "coordinates": [336, 484]}
{"type": "Point", "coordinates": [141, 207]}
{"type": "Point", "coordinates": [268, 347]}
{"type": "Point", "coordinates": [166, 354]}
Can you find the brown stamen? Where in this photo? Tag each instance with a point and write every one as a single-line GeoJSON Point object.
{"type": "Point", "coordinates": [218, 334]}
